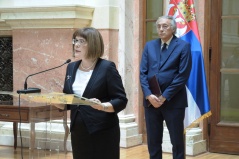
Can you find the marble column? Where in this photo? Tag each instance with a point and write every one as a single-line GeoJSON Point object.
{"type": "Point", "coordinates": [128, 59]}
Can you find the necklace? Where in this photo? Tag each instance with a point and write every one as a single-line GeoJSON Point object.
{"type": "Point", "coordinates": [86, 69]}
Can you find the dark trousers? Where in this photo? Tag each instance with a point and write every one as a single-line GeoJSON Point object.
{"type": "Point", "coordinates": [154, 123]}
{"type": "Point", "coordinates": [100, 145]}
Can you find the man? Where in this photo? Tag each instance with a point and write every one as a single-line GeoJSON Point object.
{"type": "Point", "coordinates": [169, 58]}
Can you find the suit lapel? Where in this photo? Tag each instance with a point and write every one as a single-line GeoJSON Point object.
{"type": "Point", "coordinates": [158, 49]}
{"type": "Point", "coordinates": [92, 78]}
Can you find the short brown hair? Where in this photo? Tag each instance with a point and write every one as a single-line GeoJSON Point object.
{"type": "Point", "coordinates": [94, 41]}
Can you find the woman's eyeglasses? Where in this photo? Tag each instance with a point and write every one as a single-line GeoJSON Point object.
{"type": "Point", "coordinates": [78, 41]}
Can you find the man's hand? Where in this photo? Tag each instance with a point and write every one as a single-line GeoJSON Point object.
{"type": "Point", "coordinates": [162, 99]}
{"type": "Point", "coordinates": [156, 101]}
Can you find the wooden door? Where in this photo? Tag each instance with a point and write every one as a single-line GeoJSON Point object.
{"type": "Point", "coordinates": [224, 77]}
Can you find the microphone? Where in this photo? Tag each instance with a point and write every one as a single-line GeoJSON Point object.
{"type": "Point", "coordinates": [37, 90]}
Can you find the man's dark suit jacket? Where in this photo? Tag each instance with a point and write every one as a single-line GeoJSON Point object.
{"type": "Point", "coordinates": [172, 73]}
{"type": "Point", "coordinates": [106, 85]}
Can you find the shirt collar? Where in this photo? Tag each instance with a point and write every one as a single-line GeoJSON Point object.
{"type": "Point", "coordinates": [167, 42]}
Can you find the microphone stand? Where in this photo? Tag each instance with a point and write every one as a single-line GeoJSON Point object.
{"type": "Point", "coordinates": [37, 90]}
{"type": "Point", "coordinates": [31, 90]}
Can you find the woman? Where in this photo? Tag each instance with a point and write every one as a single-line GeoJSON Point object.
{"type": "Point", "coordinates": [94, 129]}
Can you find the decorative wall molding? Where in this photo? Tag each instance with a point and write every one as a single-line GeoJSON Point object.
{"type": "Point", "coordinates": [45, 17]}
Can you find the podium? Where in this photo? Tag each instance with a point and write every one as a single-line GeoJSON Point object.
{"type": "Point", "coordinates": [35, 109]}
{"type": "Point", "coordinates": [32, 113]}
{"type": "Point", "coordinates": [53, 98]}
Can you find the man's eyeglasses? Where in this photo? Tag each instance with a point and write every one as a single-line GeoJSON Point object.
{"type": "Point", "coordinates": [164, 27]}
{"type": "Point", "coordinates": [78, 41]}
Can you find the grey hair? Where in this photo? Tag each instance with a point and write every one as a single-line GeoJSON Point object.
{"type": "Point", "coordinates": [172, 20]}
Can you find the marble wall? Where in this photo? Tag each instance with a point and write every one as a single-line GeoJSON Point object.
{"type": "Point", "coordinates": [35, 50]}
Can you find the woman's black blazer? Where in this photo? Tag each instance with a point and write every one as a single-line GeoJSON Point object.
{"type": "Point", "coordinates": [106, 85]}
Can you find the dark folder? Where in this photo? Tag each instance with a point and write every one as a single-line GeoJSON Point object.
{"type": "Point", "coordinates": [154, 87]}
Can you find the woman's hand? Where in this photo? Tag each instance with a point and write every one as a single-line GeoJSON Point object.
{"type": "Point", "coordinates": [107, 107]}
{"type": "Point", "coordinates": [97, 106]}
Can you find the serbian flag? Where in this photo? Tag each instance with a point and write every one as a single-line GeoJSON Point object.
{"type": "Point", "coordinates": [198, 101]}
